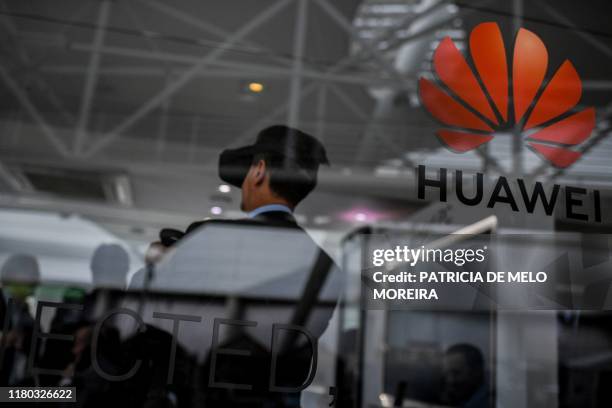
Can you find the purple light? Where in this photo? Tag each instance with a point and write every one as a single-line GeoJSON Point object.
{"type": "Point", "coordinates": [360, 215]}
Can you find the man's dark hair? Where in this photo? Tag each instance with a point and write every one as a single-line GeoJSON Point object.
{"type": "Point", "coordinates": [290, 179]}
{"type": "Point", "coordinates": [292, 159]}
{"type": "Point", "coordinates": [472, 355]}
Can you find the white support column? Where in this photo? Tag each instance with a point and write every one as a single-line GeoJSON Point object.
{"type": "Point", "coordinates": [517, 137]}
{"type": "Point", "coordinates": [92, 77]}
{"type": "Point", "coordinates": [163, 122]}
{"type": "Point", "coordinates": [321, 109]}
{"type": "Point", "coordinates": [299, 41]}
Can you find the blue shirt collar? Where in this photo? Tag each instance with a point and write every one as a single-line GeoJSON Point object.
{"type": "Point", "coordinates": [269, 208]}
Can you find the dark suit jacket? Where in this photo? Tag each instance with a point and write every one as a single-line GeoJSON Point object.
{"type": "Point", "coordinates": [312, 285]}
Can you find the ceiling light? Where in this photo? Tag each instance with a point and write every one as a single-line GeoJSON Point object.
{"type": "Point", "coordinates": [224, 188]}
{"type": "Point", "coordinates": [360, 217]}
{"type": "Point", "coordinates": [256, 87]}
{"type": "Point", "coordinates": [216, 210]}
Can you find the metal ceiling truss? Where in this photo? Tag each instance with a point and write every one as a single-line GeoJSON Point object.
{"type": "Point", "coordinates": [212, 64]}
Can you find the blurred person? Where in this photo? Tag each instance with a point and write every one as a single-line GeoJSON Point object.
{"type": "Point", "coordinates": [20, 276]}
{"type": "Point", "coordinates": [92, 390]}
{"type": "Point", "coordinates": [57, 354]}
{"type": "Point", "coordinates": [464, 377]}
{"type": "Point", "coordinates": [110, 265]}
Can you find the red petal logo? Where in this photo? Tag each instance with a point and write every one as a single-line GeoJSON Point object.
{"type": "Point", "coordinates": [476, 104]}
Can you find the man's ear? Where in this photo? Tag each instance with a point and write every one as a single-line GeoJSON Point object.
{"type": "Point", "coordinates": [260, 172]}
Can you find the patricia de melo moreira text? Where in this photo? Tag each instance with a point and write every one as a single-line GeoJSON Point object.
{"type": "Point", "coordinates": [402, 255]}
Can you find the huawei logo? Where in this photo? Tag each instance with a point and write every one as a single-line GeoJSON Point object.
{"type": "Point", "coordinates": [476, 105]}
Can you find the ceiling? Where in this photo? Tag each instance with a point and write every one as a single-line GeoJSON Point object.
{"type": "Point", "coordinates": [139, 97]}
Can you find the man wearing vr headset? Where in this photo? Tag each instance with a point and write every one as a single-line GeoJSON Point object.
{"type": "Point", "coordinates": [274, 174]}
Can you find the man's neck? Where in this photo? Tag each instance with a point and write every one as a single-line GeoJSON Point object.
{"type": "Point", "coordinates": [272, 201]}
{"type": "Point", "coordinates": [271, 207]}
